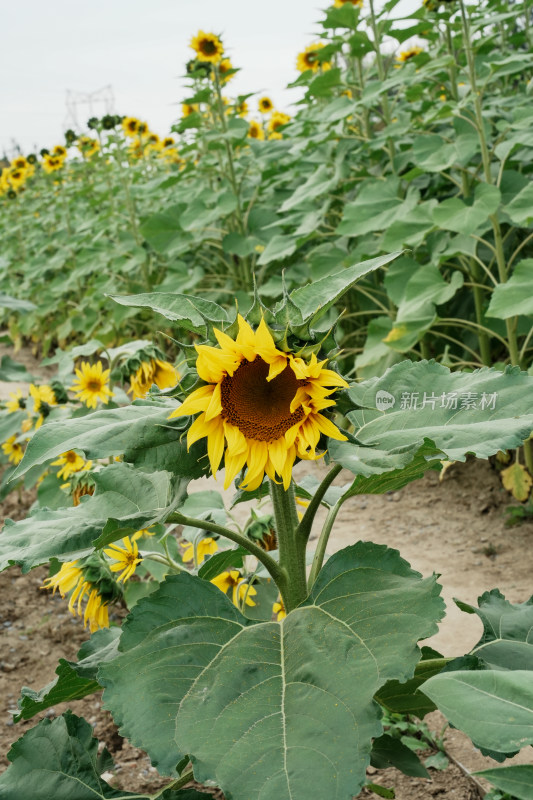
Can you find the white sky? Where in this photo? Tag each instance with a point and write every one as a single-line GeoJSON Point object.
{"type": "Point", "coordinates": [139, 47]}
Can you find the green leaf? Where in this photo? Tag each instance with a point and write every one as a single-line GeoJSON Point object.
{"type": "Point", "coordinates": [163, 230]}
{"type": "Point", "coordinates": [314, 299]}
{"type": "Point", "coordinates": [516, 780]}
{"type": "Point", "coordinates": [322, 85]}
{"type": "Point", "coordinates": [390, 481]}
{"type": "Point", "coordinates": [13, 371]}
{"type": "Point", "coordinates": [507, 640]}
{"type": "Point", "coordinates": [494, 708]}
{"type": "Point", "coordinates": [345, 17]}
{"type": "Point", "coordinates": [125, 500]}
{"type": "Point", "coordinates": [319, 182]}
{"type": "Point", "coordinates": [377, 205]}
{"type": "Point", "coordinates": [279, 247]}
{"type": "Point", "coordinates": [454, 215]}
{"type": "Point", "coordinates": [432, 153]}
{"type": "Point", "coordinates": [219, 562]}
{"type": "Point", "coordinates": [74, 679]}
{"type": "Point", "coordinates": [193, 313]}
{"type": "Point", "coordinates": [237, 244]}
{"type": "Point", "coordinates": [59, 759]}
{"type": "Point", "coordinates": [109, 432]}
{"type": "Point", "coordinates": [406, 698]}
{"type": "Point", "coordinates": [298, 695]}
{"type": "Point", "coordinates": [166, 641]}
{"type": "Point", "coordinates": [390, 752]}
{"type": "Point", "coordinates": [514, 297]}
{"type": "Point", "coordinates": [520, 209]}
{"type": "Point", "coordinates": [479, 412]}
{"type": "Point", "coordinates": [14, 304]}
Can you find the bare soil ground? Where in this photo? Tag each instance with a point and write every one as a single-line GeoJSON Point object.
{"type": "Point", "coordinates": [455, 527]}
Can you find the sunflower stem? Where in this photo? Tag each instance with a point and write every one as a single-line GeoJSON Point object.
{"type": "Point", "coordinates": [293, 586]}
{"type": "Point", "coordinates": [272, 566]}
{"type": "Point", "coordinates": [320, 551]}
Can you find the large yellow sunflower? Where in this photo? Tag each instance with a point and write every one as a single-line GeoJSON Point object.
{"type": "Point", "coordinates": [208, 47]}
{"type": "Point", "coordinates": [307, 59]}
{"type": "Point", "coordinates": [259, 406]}
{"type": "Point", "coordinates": [91, 384]}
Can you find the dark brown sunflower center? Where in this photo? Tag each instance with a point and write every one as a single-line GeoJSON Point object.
{"type": "Point", "coordinates": [94, 386]}
{"type": "Point", "coordinates": [208, 48]}
{"type": "Point", "coordinates": [71, 457]}
{"type": "Point", "coordinates": [260, 409]}
{"type": "Point", "coordinates": [310, 58]}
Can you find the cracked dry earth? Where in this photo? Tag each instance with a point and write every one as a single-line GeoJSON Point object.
{"type": "Point", "coordinates": [455, 527]}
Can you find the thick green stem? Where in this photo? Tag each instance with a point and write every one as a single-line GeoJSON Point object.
{"type": "Point", "coordinates": [382, 76]}
{"type": "Point", "coordinates": [272, 566]}
{"type": "Point", "coordinates": [291, 558]}
{"type": "Point", "coordinates": [452, 69]}
{"type": "Point", "coordinates": [320, 552]}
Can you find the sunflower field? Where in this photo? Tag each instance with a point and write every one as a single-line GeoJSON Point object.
{"type": "Point", "coordinates": [304, 305]}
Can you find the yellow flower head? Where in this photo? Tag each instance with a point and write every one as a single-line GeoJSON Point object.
{"type": "Point", "coordinates": [341, 3]}
{"type": "Point", "coordinates": [168, 141]}
{"type": "Point", "coordinates": [255, 131]}
{"type": "Point", "coordinates": [70, 462]}
{"type": "Point", "coordinates": [42, 394]}
{"type": "Point", "coordinates": [224, 68]}
{"type": "Point", "coordinates": [242, 590]}
{"type": "Point", "coordinates": [204, 547]}
{"type": "Point", "coordinates": [91, 384]}
{"type": "Point", "coordinates": [126, 558]}
{"type": "Point", "coordinates": [19, 162]}
{"type": "Point", "coordinates": [70, 579]}
{"type": "Point", "coordinates": [265, 105]}
{"type": "Point", "coordinates": [260, 406]}
{"type": "Point", "coordinates": [279, 610]}
{"type": "Point", "coordinates": [60, 151]}
{"type": "Point", "coordinates": [88, 146]}
{"type": "Point", "coordinates": [17, 402]}
{"type": "Point", "coordinates": [13, 450]}
{"type": "Point", "coordinates": [277, 119]}
{"type": "Point", "coordinates": [208, 47]}
{"type": "Point", "coordinates": [52, 163]}
{"type": "Point", "coordinates": [405, 55]}
{"type": "Point", "coordinates": [189, 108]}
{"type": "Point", "coordinates": [162, 373]}
{"type": "Point", "coordinates": [16, 177]}
{"type": "Point", "coordinates": [130, 126]}
{"type": "Point", "coordinates": [307, 59]}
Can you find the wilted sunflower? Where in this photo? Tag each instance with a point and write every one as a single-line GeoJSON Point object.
{"type": "Point", "coordinates": [260, 406]}
{"type": "Point", "coordinates": [405, 55]}
{"type": "Point", "coordinates": [255, 131]}
{"type": "Point", "coordinates": [92, 384]}
{"type": "Point", "coordinates": [162, 373]}
{"type": "Point", "coordinates": [208, 47]}
{"type": "Point", "coordinates": [341, 3]}
{"type": "Point", "coordinates": [265, 105]}
{"type": "Point", "coordinates": [13, 450]}
{"type": "Point", "coordinates": [70, 578]}
{"type": "Point", "coordinates": [308, 59]}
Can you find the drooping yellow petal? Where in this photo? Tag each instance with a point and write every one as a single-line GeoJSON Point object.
{"type": "Point", "coordinates": [197, 401]}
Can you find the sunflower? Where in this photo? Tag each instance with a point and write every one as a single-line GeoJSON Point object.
{"type": "Point", "coordinates": [52, 163]}
{"type": "Point", "coordinates": [308, 59]}
{"type": "Point", "coordinates": [162, 373]}
{"type": "Point", "coordinates": [189, 108]}
{"type": "Point", "coordinates": [42, 395]}
{"type": "Point", "coordinates": [13, 450]}
{"type": "Point", "coordinates": [70, 578]}
{"type": "Point", "coordinates": [91, 384]}
{"type": "Point", "coordinates": [405, 55]}
{"type": "Point", "coordinates": [277, 119]}
{"type": "Point", "coordinates": [88, 146]}
{"type": "Point", "coordinates": [260, 405]}
{"type": "Point", "coordinates": [208, 47]}
{"type": "Point", "coordinates": [279, 610]}
{"type": "Point", "coordinates": [70, 462]}
{"type": "Point", "coordinates": [341, 3]}
{"type": "Point", "coordinates": [265, 105]}
{"type": "Point", "coordinates": [17, 402]}
{"type": "Point", "coordinates": [205, 547]}
{"type": "Point", "coordinates": [255, 131]}
{"type": "Point", "coordinates": [130, 126]}
{"type": "Point", "coordinates": [224, 68]}
{"type": "Point", "coordinates": [168, 141]}
{"type": "Point", "coordinates": [242, 591]}
{"type": "Point", "coordinates": [60, 151]}
{"type": "Point", "coordinates": [126, 558]}
{"type": "Point", "coordinates": [19, 162]}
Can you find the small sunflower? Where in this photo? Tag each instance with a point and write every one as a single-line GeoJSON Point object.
{"type": "Point", "coordinates": [70, 578]}
{"type": "Point", "coordinates": [242, 591]}
{"type": "Point", "coordinates": [308, 58]}
{"type": "Point", "coordinates": [162, 373]}
{"type": "Point", "coordinates": [189, 108]}
{"type": "Point", "coordinates": [341, 3]}
{"type": "Point", "coordinates": [70, 462]}
{"type": "Point", "coordinates": [60, 151]}
{"type": "Point", "coordinates": [208, 47]}
{"type": "Point", "coordinates": [224, 68]}
{"type": "Point", "coordinates": [259, 405]}
{"type": "Point", "coordinates": [92, 384]}
{"type": "Point", "coordinates": [52, 163]}
{"type": "Point", "coordinates": [87, 146]}
{"type": "Point", "coordinates": [255, 131]}
{"type": "Point", "coordinates": [13, 450]}
{"type": "Point", "coordinates": [277, 119]}
{"type": "Point", "coordinates": [19, 162]}
{"type": "Point", "coordinates": [168, 141]}
{"type": "Point", "coordinates": [279, 610]}
{"type": "Point", "coordinates": [17, 402]}
{"type": "Point", "coordinates": [265, 105]}
{"type": "Point", "coordinates": [205, 547]}
{"type": "Point", "coordinates": [130, 126]}
{"type": "Point", "coordinates": [406, 55]}
{"type": "Point", "coordinates": [42, 395]}
{"type": "Point", "coordinates": [126, 558]}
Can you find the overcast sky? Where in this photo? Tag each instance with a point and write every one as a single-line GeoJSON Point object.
{"type": "Point", "coordinates": [139, 48]}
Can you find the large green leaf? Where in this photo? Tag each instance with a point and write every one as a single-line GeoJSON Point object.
{"type": "Point", "coordinates": [520, 208]}
{"type": "Point", "coordinates": [390, 752]}
{"type": "Point", "coordinates": [454, 215]}
{"type": "Point", "coordinates": [320, 182]}
{"type": "Point", "coordinates": [432, 153]}
{"type": "Point", "coordinates": [515, 296]}
{"type": "Point", "coordinates": [193, 313]}
{"type": "Point", "coordinates": [516, 780]}
{"type": "Point", "coordinates": [377, 205]}
{"type": "Point", "coordinates": [494, 708]}
{"type": "Point", "coordinates": [14, 304]}
{"type": "Point", "coordinates": [507, 640]}
{"type": "Point", "coordinates": [405, 698]}
{"type": "Point", "coordinates": [168, 638]}
{"type": "Point", "coordinates": [74, 679]}
{"type": "Point", "coordinates": [286, 710]}
{"type": "Point", "coordinates": [479, 412]}
{"type": "Point", "coordinates": [125, 500]}
{"type": "Point", "coordinates": [108, 432]}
